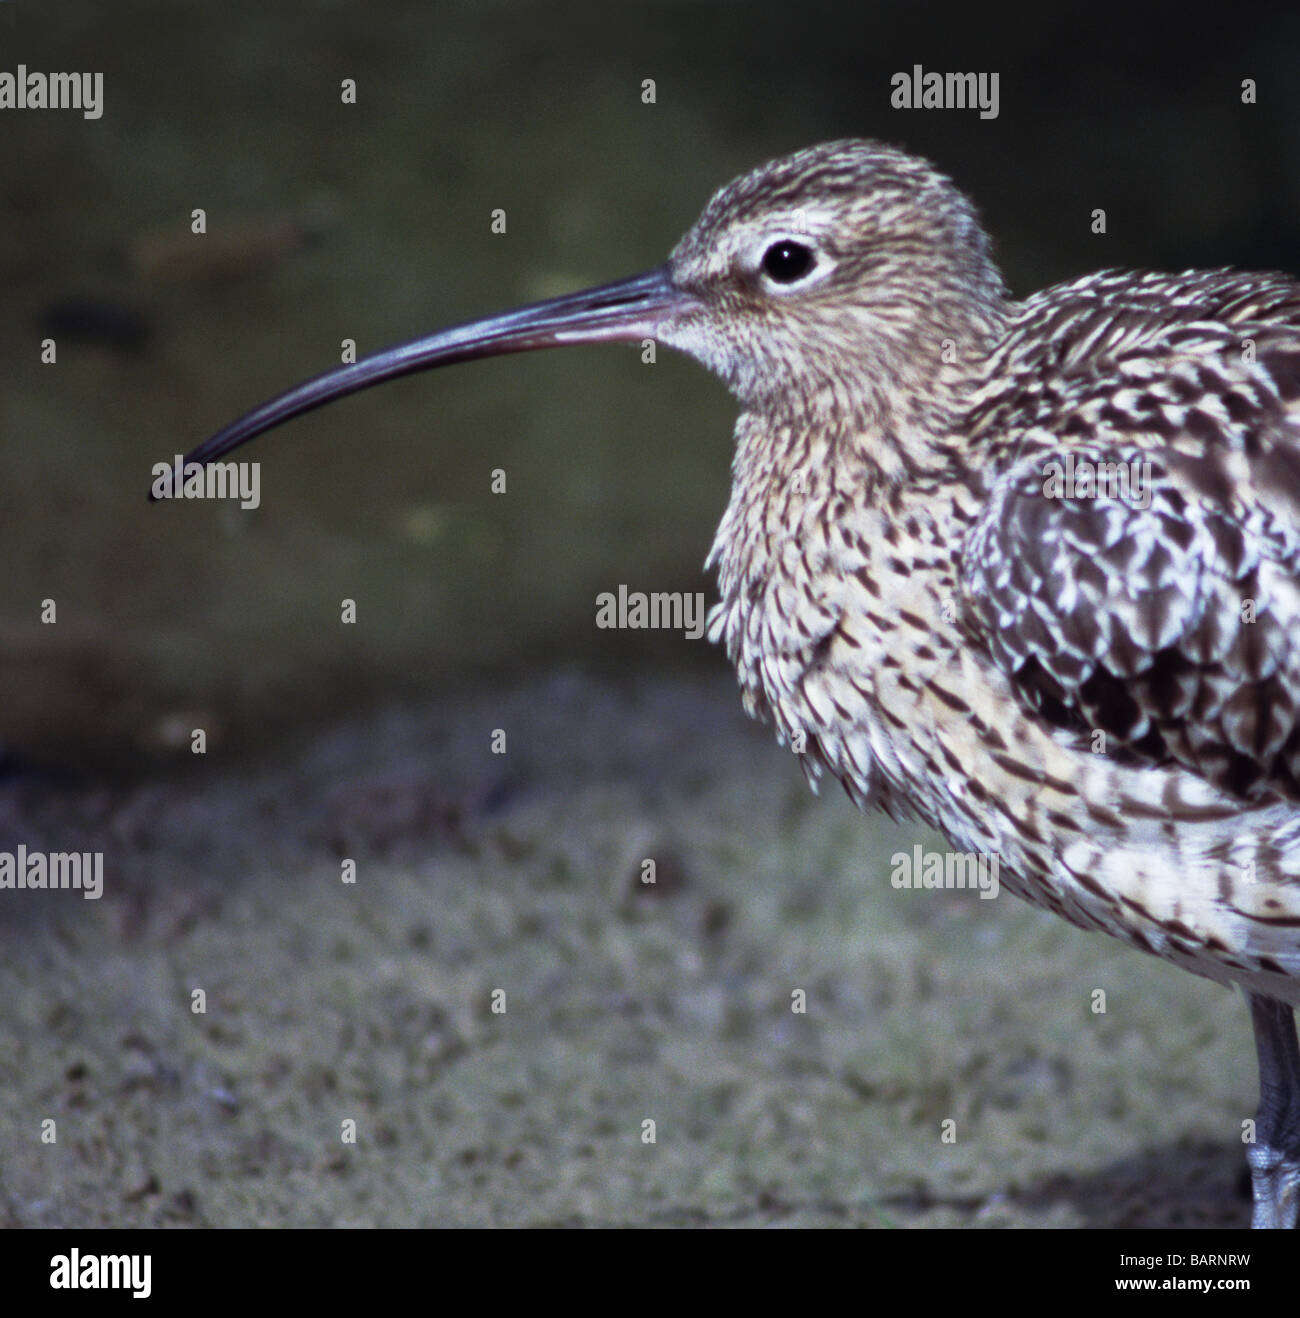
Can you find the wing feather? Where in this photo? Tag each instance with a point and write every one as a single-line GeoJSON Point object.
{"type": "Point", "coordinates": [1160, 606]}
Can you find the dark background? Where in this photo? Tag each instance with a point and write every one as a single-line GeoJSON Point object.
{"type": "Point", "coordinates": [371, 221]}
{"type": "Point", "coordinates": [328, 1003]}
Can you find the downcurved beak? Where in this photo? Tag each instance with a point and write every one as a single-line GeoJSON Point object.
{"type": "Point", "coordinates": [628, 310]}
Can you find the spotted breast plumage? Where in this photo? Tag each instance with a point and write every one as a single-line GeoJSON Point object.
{"type": "Point", "coordinates": [1029, 571]}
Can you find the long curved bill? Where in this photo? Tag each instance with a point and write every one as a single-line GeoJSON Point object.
{"type": "Point", "coordinates": [628, 310]}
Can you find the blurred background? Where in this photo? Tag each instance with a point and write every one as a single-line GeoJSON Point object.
{"type": "Point", "coordinates": [372, 221]}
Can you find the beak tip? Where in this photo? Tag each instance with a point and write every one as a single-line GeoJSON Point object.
{"type": "Point", "coordinates": [628, 309]}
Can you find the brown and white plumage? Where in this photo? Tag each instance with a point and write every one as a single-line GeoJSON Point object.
{"type": "Point", "coordinates": [1163, 619]}
{"type": "Point", "coordinates": [894, 546]}
{"type": "Point", "coordinates": [1101, 690]}
{"type": "Point", "coordinates": [1104, 692]}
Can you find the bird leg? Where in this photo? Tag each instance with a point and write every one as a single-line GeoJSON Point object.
{"type": "Point", "coordinates": [1274, 1157]}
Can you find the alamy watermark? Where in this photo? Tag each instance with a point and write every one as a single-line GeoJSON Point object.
{"type": "Point", "coordinates": [51, 870]}
{"type": "Point", "coordinates": [210, 480]}
{"type": "Point", "coordinates": [102, 1272]}
{"type": "Point", "coordinates": [1081, 478]}
{"type": "Point", "coordinates": [945, 869]}
{"type": "Point", "coordinates": [919, 90]}
{"type": "Point", "coordinates": [665, 610]}
{"type": "Point", "coordinates": [52, 91]}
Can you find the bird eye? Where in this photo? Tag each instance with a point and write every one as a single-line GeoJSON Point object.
{"type": "Point", "coordinates": [786, 261]}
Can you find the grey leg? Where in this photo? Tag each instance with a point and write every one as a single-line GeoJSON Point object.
{"type": "Point", "coordinates": [1275, 1156]}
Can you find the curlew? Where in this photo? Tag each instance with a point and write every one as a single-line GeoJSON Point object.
{"type": "Point", "coordinates": [1027, 571]}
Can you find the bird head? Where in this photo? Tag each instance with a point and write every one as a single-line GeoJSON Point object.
{"type": "Point", "coordinates": [830, 270]}
{"type": "Point", "coordinates": [841, 270]}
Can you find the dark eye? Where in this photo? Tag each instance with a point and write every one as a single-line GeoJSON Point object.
{"type": "Point", "coordinates": [786, 261]}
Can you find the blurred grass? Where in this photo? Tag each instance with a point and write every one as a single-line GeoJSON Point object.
{"type": "Point", "coordinates": [476, 873]}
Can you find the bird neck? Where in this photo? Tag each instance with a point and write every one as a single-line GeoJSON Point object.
{"type": "Point", "coordinates": [885, 398]}
{"type": "Point", "coordinates": [867, 439]}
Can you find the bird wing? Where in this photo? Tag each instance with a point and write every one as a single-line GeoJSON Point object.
{"type": "Point", "coordinates": [1135, 571]}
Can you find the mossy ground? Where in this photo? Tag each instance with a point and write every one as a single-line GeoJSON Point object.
{"type": "Point", "coordinates": [372, 1002]}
